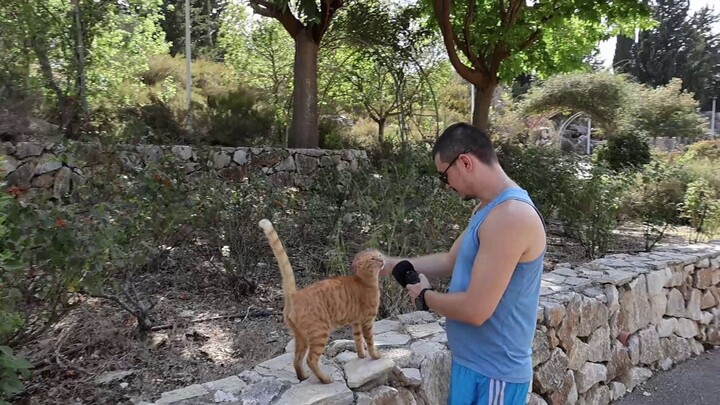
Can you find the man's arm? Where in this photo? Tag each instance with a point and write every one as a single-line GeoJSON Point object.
{"type": "Point", "coordinates": [433, 266]}
{"type": "Point", "coordinates": [505, 237]}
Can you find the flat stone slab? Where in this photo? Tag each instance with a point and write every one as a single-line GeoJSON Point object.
{"type": "Point", "coordinates": [232, 385]}
{"type": "Point", "coordinates": [191, 391]}
{"type": "Point", "coordinates": [361, 371]}
{"type": "Point", "coordinates": [424, 330]}
{"type": "Point", "coordinates": [416, 317]}
{"type": "Point", "coordinates": [391, 339]}
{"type": "Point", "coordinates": [386, 325]}
{"type": "Point", "coordinates": [314, 393]}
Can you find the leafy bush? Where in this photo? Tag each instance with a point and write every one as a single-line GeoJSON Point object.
{"type": "Point", "coordinates": [626, 150]}
{"type": "Point", "coordinates": [10, 366]}
{"type": "Point", "coordinates": [618, 105]}
{"type": "Point", "coordinates": [534, 168]}
{"type": "Point", "coordinates": [590, 216]}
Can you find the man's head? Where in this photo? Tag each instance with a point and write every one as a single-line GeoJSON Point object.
{"type": "Point", "coordinates": [465, 159]}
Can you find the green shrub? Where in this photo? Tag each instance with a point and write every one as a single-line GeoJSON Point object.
{"type": "Point", "coordinates": [10, 366]}
{"type": "Point", "coordinates": [535, 168]}
{"type": "Point", "coordinates": [627, 150]}
{"type": "Point", "coordinates": [591, 214]}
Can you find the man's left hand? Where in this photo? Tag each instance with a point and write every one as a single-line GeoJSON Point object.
{"type": "Point", "coordinates": [414, 289]}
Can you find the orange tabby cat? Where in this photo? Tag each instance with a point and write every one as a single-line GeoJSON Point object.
{"type": "Point", "coordinates": [313, 312]}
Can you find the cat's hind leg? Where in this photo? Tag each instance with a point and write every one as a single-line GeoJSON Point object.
{"type": "Point", "coordinates": [317, 340]}
{"type": "Point", "coordinates": [301, 347]}
{"type": "Point", "coordinates": [359, 342]}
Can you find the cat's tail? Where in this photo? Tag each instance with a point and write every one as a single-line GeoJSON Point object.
{"type": "Point", "coordinates": [288, 278]}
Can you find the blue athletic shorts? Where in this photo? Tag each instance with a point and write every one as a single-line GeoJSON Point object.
{"type": "Point", "coordinates": [468, 387]}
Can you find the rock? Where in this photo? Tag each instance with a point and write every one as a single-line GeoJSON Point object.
{"type": "Point", "coordinates": [589, 375]}
{"type": "Point", "coordinates": [25, 149]}
{"type": "Point", "coordinates": [593, 314]}
{"type": "Point", "coordinates": [703, 278]}
{"type": "Point", "coordinates": [401, 357]}
{"type": "Point", "coordinates": [693, 310]}
{"type": "Point", "coordinates": [361, 371]}
{"type": "Point", "coordinates": [712, 334]}
{"type": "Point", "coordinates": [232, 385]}
{"type": "Point", "coordinates": [391, 339]}
{"type": "Point", "coordinates": [306, 165]}
{"type": "Point", "coordinates": [535, 399]}
{"type": "Point", "coordinates": [9, 165]}
{"type": "Point", "coordinates": [634, 349]}
{"type": "Point", "coordinates": [21, 177]}
{"type": "Point", "coordinates": [315, 393]}
{"type": "Point", "coordinates": [658, 306]}
{"type": "Point", "coordinates": [264, 392]}
{"type": "Point", "coordinates": [191, 391]}
{"type": "Point", "coordinates": [619, 363]}
{"type": "Point", "coordinates": [567, 392]}
{"type": "Point", "coordinates": [540, 348]}
{"type": "Point", "coordinates": [406, 397]}
{"type": "Point", "coordinates": [599, 345]}
{"type": "Point", "coordinates": [435, 372]}
{"type": "Point", "coordinates": [47, 163]}
{"type": "Point", "coordinates": [666, 327]}
{"type": "Point", "coordinates": [696, 348]}
{"type": "Point", "coordinates": [382, 395]}
{"type": "Point", "coordinates": [706, 318]}
{"type": "Point", "coordinates": [422, 350]}
{"type": "Point", "coordinates": [675, 348]}
{"type": "Point", "coordinates": [599, 394]}
{"type": "Point", "coordinates": [617, 390]}
{"type": "Point", "coordinates": [240, 157]}
{"type": "Point", "coordinates": [613, 298]}
{"type": "Point", "coordinates": [686, 328]}
{"type": "Point", "coordinates": [385, 325]}
{"type": "Point", "coordinates": [222, 396]}
{"type": "Point", "coordinates": [182, 151]}
{"type": "Point", "coordinates": [634, 377]}
{"type": "Point", "coordinates": [569, 327]}
{"type": "Point", "coordinates": [112, 376]}
{"type": "Point", "coordinates": [158, 340]}
{"type": "Point", "coordinates": [61, 187]}
{"type": "Point", "coordinates": [650, 350]}
{"type": "Point", "coordinates": [665, 364]}
{"type": "Point", "coordinates": [220, 159]}
{"type": "Point", "coordinates": [635, 305]}
{"type": "Point", "coordinates": [337, 346]}
{"type": "Point", "coordinates": [416, 317]}
{"type": "Point", "coordinates": [656, 280]}
{"type": "Point", "coordinates": [287, 165]}
{"type": "Point", "coordinates": [549, 376]}
{"type": "Point", "coordinates": [708, 300]}
{"type": "Point", "coordinates": [281, 368]}
{"type": "Point", "coordinates": [554, 313]}
{"type": "Point", "coordinates": [577, 353]}
{"type": "Point", "coordinates": [553, 340]}
{"type": "Point", "coordinates": [424, 330]}
{"type": "Point", "coordinates": [43, 181]}
{"type": "Point", "coordinates": [675, 304]}
{"type": "Point", "coordinates": [411, 376]}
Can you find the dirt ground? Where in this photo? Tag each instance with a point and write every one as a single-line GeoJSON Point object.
{"type": "Point", "coordinates": [204, 332]}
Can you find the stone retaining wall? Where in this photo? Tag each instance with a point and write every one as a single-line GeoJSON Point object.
{"type": "Point", "coordinates": [603, 328]}
{"type": "Point", "coordinates": [56, 168]}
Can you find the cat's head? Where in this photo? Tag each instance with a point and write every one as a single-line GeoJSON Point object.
{"type": "Point", "coordinates": [368, 263]}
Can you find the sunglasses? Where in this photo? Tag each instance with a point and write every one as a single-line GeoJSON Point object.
{"type": "Point", "coordinates": [443, 175]}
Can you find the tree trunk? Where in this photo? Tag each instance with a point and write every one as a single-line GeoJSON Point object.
{"type": "Point", "coordinates": [305, 120]}
{"type": "Point", "coordinates": [381, 130]}
{"type": "Point", "coordinates": [80, 60]}
{"type": "Point", "coordinates": [483, 100]}
{"type": "Point", "coordinates": [622, 60]}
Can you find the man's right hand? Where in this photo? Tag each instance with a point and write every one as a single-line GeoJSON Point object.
{"type": "Point", "coordinates": [390, 263]}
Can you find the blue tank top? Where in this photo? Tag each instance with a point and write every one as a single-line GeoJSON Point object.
{"type": "Point", "coordinates": [500, 348]}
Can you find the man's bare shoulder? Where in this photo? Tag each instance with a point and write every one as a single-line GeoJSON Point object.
{"type": "Point", "coordinates": [514, 223]}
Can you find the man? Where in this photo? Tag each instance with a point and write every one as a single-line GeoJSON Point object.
{"type": "Point", "coordinates": [495, 267]}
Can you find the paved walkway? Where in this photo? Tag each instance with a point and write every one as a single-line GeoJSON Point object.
{"type": "Point", "coordinates": [692, 382]}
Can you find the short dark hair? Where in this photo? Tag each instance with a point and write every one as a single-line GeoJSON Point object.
{"type": "Point", "coordinates": [461, 137]}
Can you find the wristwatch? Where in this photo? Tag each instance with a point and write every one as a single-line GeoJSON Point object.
{"type": "Point", "coordinates": [420, 300]}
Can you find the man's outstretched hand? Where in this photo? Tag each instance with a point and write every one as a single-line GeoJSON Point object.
{"type": "Point", "coordinates": [390, 263]}
{"type": "Point", "coordinates": [414, 289]}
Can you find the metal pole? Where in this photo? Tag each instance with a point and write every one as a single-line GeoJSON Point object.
{"type": "Point", "coordinates": [188, 63]}
{"type": "Point", "coordinates": [712, 119]}
{"type": "Point", "coordinates": [472, 101]}
{"type": "Point", "coordinates": [587, 146]}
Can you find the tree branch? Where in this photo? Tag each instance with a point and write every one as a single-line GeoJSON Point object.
{"type": "Point", "coordinates": [441, 9]}
{"type": "Point", "coordinates": [477, 61]}
{"type": "Point", "coordinates": [263, 7]}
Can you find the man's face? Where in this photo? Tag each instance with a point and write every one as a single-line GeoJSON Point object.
{"type": "Point", "coordinates": [452, 173]}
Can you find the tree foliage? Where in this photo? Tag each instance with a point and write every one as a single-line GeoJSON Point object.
{"type": "Point", "coordinates": [489, 42]}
